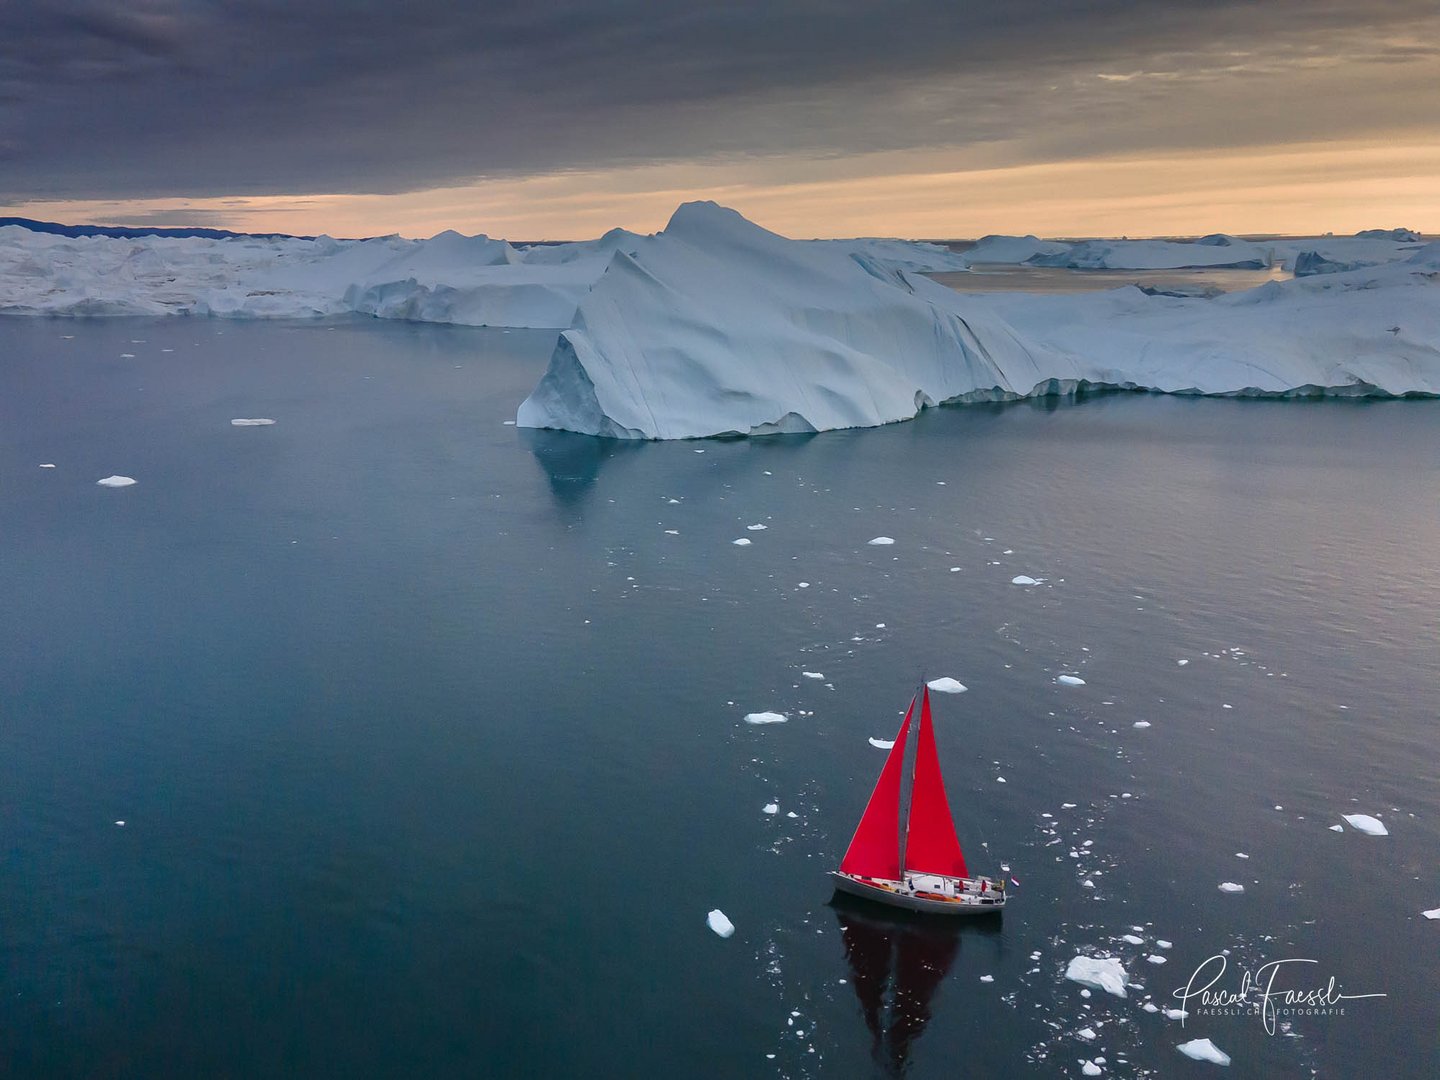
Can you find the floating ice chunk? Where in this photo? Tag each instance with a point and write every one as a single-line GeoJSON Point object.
{"type": "Point", "coordinates": [1370, 826]}
{"type": "Point", "coordinates": [765, 718]}
{"type": "Point", "coordinates": [1070, 680]}
{"type": "Point", "coordinates": [882, 744]}
{"type": "Point", "coordinates": [1337, 828]}
{"type": "Point", "coordinates": [1175, 1014]}
{"type": "Point", "coordinates": [1433, 913]}
{"type": "Point", "coordinates": [1067, 806]}
{"type": "Point", "coordinates": [672, 532]}
{"type": "Point", "coordinates": [47, 465]}
{"type": "Point", "coordinates": [120, 823]}
{"type": "Point", "coordinates": [802, 585]}
{"type": "Point", "coordinates": [1089, 1068]}
{"type": "Point", "coordinates": [1181, 663]}
{"type": "Point", "coordinates": [256, 422]}
{"type": "Point", "coordinates": [813, 674]}
{"type": "Point", "coordinates": [717, 921]}
{"type": "Point", "coordinates": [987, 978]}
{"type": "Point", "coordinates": [1103, 973]}
{"type": "Point", "coordinates": [1150, 1007]}
{"type": "Point", "coordinates": [1156, 959]}
{"type": "Point", "coordinates": [1133, 939]}
{"type": "Point", "coordinates": [742, 542]}
{"type": "Point", "coordinates": [1142, 724]}
{"type": "Point", "coordinates": [1165, 944]}
{"type": "Point", "coordinates": [1023, 579]}
{"type": "Point", "coordinates": [947, 685]}
{"type": "Point", "coordinates": [1231, 887]}
{"type": "Point", "coordinates": [1241, 855]}
{"type": "Point", "coordinates": [770, 808]}
{"type": "Point", "coordinates": [881, 541]}
{"type": "Point", "coordinates": [757, 528]}
{"type": "Point", "coordinates": [791, 814]}
{"type": "Point", "coordinates": [116, 481]}
{"type": "Point", "coordinates": [1204, 1050]}
{"type": "Point", "coordinates": [1086, 1033]}
{"type": "Point", "coordinates": [999, 780]}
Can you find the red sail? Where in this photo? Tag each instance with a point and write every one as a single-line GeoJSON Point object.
{"type": "Point", "coordinates": [874, 850]}
{"type": "Point", "coordinates": [931, 846]}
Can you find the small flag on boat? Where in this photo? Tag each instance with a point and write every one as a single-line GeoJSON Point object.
{"type": "Point", "coordinates": [1014, 882]}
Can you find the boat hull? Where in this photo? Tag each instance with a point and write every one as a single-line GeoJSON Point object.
{"type": "Point", "coordinates": [967, 904]}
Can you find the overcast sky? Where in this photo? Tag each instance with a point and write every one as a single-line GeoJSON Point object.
{"type": "Point", "coordinates": [539, 118]}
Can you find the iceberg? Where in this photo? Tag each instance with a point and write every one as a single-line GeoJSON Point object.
{"type": "Point", "coordinates": [1215, 252]}
{"type": "Point", "coordinates": [719, 327]}
{"type": "Point", "coordinates": [1371, 826]}
{"type": "Point", "coordinates": [1204, 1050]}
{"type": "Point", "coordinates": [1012, 249]}
{"type": "Point", "coordinates": [1101, 973]}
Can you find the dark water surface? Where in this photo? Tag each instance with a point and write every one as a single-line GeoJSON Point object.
{"type": "Point", "coordinates": [428, 737]}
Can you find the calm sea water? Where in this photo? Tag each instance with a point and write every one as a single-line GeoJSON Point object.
{"type": "Point", "coordinates": [428, 735]}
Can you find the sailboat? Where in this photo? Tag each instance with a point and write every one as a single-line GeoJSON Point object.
{"type": "Point", "coordinates": [913, 860]}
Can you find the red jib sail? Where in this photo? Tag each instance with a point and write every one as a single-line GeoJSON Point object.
{"type": "Point", "coordinates": [931, 846]}
{"type": "Point", "coordinates": [874, 850]}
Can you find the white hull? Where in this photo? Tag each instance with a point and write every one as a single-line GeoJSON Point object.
{"type": "Point", "coordinates": [936, 895]}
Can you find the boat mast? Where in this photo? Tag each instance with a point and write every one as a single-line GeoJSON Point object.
{"type": "Point", "coordinates": [914, 762]}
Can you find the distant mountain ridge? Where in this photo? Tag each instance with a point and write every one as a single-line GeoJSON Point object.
{"type": "Point", "coordinates": [116, 232]}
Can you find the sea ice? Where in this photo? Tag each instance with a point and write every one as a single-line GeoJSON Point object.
{"type": "Point", "coordinates": [1433, 913]}
{"type": "Point", "coordinates": [717, 921]}
{"type": "Point", "coordinates": [813, 674]}
{"type": "Point", "coordinates": [1175, 1014]}
{"type": "Point", "coordinates": [947, 685]}
{"type": "Point", "coordinates": [1204, 1050]}
{"type": "Point", "coordinates": [1023, 579]}
{"type": "Point", "coordinates": [1370, 826]}
{"type": "Point", "coordinates": [881, 541]}
{"type": "Point", "coordinates": [1089, 1068]}
{"type": "Point", "coordinates": [1086, 1033]}
{"type": "Point", "coordinates": [1164, 944]}
{"type": "Point", "coordinates": [987, 978]}
{"type": "Point", "coordinates": [1337, 828]}
{"type": "Point", "coordinates": [1102, 973]}
{"type": "Point", "coordinates": [1142, 724]}
{"type": "Point", "coordinates": [882, 744]}
{"type": "Point", "coordinates": [742, 542]}
{"type": "Point", "coordinates": [257, 422]}
{"type": "Point", "coordinates": [1133, 939]}
{"type": "Point", "coordinates": [765, 718]}
{"type": "Point", "coordinates": [1070, 680]}
{"type": "Point", "coordinates": [1156, 959]}
{"type": "Point", "coordinates": [47, 466]}
{"type": "Point", "coordinates": [116, 481]}
{"type": "Point", "coordinates": [770, 808]}
{"type": "Point", "coordinates": [757, 528]}
{"type": "Point", "coordinates": [1231, 887]}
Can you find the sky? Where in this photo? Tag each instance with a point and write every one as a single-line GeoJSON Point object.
{"type": "Point", "coordinates": [559, 119]}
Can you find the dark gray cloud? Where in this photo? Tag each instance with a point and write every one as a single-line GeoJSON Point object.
{"type": "Point", "coordinates": [216, 97]}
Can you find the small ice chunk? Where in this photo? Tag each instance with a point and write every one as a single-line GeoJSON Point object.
{"type": "Point", "coordinates": [1164, 944]}
{"type": "Point", "coordinates": [1204, 1050]}
{"type": "Point", "coordinates": [1370, 826]}
{"type": "Point", "coordinates": [672, 532]}
{"type": "Point", "coordinates": [757, 528]}
{"type": "Point", "coordinates": [120, 823]}
{"type": "Point", "coordinates": [47, 465]}
{"type": "Point", "coordinates": [1142, 724]}
{"type": "Point", "coordinates": [1023, 579]}
{"type": "Point", "coordinates": [1433, 913]}
{"type": "Point", "coordinates": [256, 422]}
{"type": "Point", "coordinates": [947, 685]}
{"type": "Point", "coordinates": [1175, 1014]}
{"type": "Point", "coordinates": [882, 744]}
{"type": "Point", "coordinates": [813, 674]}
{"type": "Point", "coordinates": [1067, 806]}
{"type": "Point", "coordinates": [802, 585]}
{"type": "Point", "coordinates": [1230, 886]}
{"type": "Point", "coordinates": [1089, 1068]}
{"type": "Point", "coordinates": [742, 542]}
{"type": "Point", "coordinates": [770, 808]}
{"type": "Point", "coordinates": [717, 921]}
{"type": "Point", "coordinates": [1155, 959]}
{"type": "Point", "coordinates": [1086, 1033]}
{"type": "Point", "coordinates": [1133, 939]}
{"type": "Point", "coordinates": [116, 481]}
{"type": "Point", "coordinates": [1181, 663]}
{"type": "Point", "coordinates": [1103, 973]}
{"type": "Point", "coordinates": [765, 718]}
{"type": "Point", "coordinates": [881, 541]}
{"type": "Point", "coordinates": [987, 978]}
{"type": "Point", "coordinates": [1241, 855]}
{"type": "Point", "coordinates": [999, 780]}
{"type": "Point", "coordinates": [1337, 828]}
{"type": "Point", "coordinates": [1070, 680]}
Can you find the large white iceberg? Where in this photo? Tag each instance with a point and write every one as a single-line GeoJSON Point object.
{"type": "Point", "coordinates": [718, 327]}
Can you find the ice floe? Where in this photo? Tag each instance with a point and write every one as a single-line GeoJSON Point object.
{"type": "Point", "coordinates": [1433, 913]}
{"type": "Point", "coordinates": [742, 542]}
{"type": "Point", "coordinates": [717, 921]}
{"type": "Point", "coordinates": [770, 808]}
{"type": "Point", "coordinates": [1231, 887]}
{"type": "Point", "coordinates": [1204, 1050]}
{"type": "Point", "coordinates": [813, 674]}
{"type": "Point", "coordinates": [116, 481]}
{"type": "Point", "coordinates": [1370, 826]}
{"type": "Point", "coordinates": [48, 465]}
{"type": "Point", "coordinates": [765, 718]}
{"type": "Point", "coordinates": [1101, 973]}
{"type": "Point", "coordinates": [1069, 680]}
{"type": "Point", "coordinates": [881, 541]}
{"type": "Point", "coordinates": [1142, 724]}
{"type": "Point", "coordinates": [256, 422]}
{"type": "Point", "coordinates": [947, 685]}
{"type": "Point", "coordinates": [1023, 579]}
{"type": "Point", "coordinates": [882, 744]}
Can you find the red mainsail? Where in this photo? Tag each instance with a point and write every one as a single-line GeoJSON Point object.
{"type": "Point", "coordinates": [931, 846]}
{"type": "Point", "coordinates": [874, 850]}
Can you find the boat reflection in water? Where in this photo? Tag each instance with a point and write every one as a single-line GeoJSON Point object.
{"type": "Point", "coordinates": [897, 962]}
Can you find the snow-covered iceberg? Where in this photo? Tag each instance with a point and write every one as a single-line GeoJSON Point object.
{"type": "Point", "coordinates": [1215, 251]}
{"type": "Point", "coordinates": [719, 327]}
